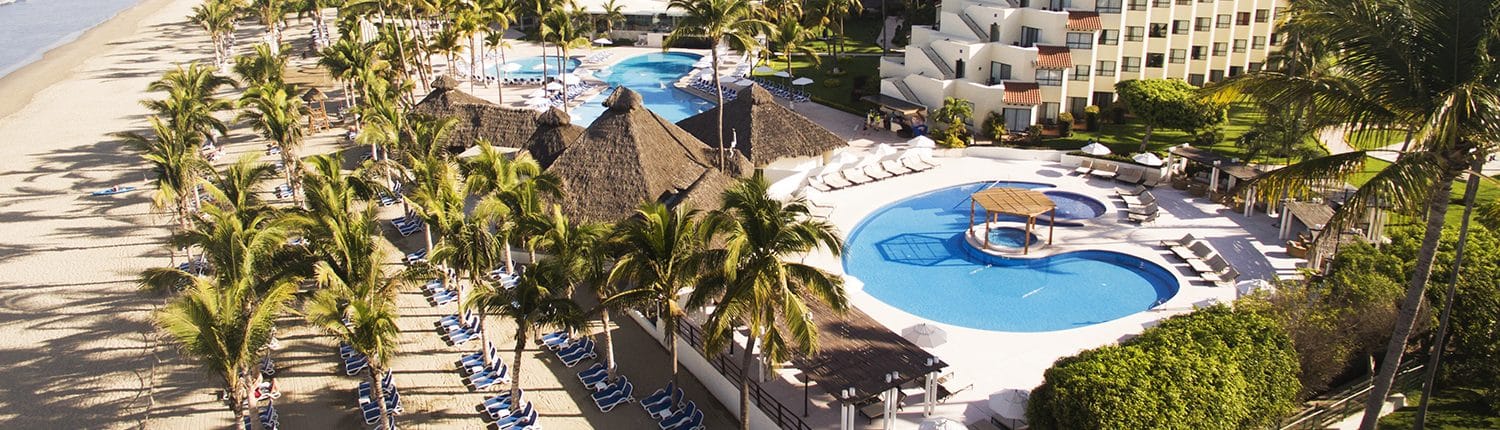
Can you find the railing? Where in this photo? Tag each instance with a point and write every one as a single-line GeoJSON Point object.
{"type": "Point", "coordinates": [906, 92]}
{"type": "Point", "coordinates": [937, 60]}
{"type": "Point", "coordinates": [1336, 406]}
{"type": "Point", "coordinates": [722, 361]}
{"type": "Point", "coordinates": [984, 36]}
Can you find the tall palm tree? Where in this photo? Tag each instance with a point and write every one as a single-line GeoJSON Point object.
{"type": "Point", "coordinates": [271, 14]}
{"type": "Point", "coordinates": [275, 111]}
{"type": "Point", "coordinates": [235, 189]}
{"type": "Point", "coordinates": [561, 26]}
{"type": "Point", "coordinates": [472, 250]}
{"type": "Point", "coordinates": [659, 257]}
{"type": "Point", "coordinates": [754, 283]}
{"type": "Point", "coordinates": [610, 14]}
{"type": "Point", "coordinates": [793, 38]}
{"type": "Point", "coordinates": [831, 14]}
{"type": "Point", "coordinates": [352, 63]}
{"type": "Point", "coordinates": [191, 101]}
{"type": "Point", "coordinates": [731, 22]}
{"type": "Point", "coordinates": [217, 17]}
{"type": "Point", "coordinates": [578, 251]}
{"type": "Point", "coordinates": [264, 65]}
{"type": "Point", "coordinates": [178, 168]}
{"type": "Point", "coordinates": [315, 9]}
{"type": "Point", "coordinates": [535, 303]}
{"type": "Point", "coordinates": [436, 196]}
{"type": "Point", "coordinates": [366, 324]}
{"type": "Point", "coordinates": [450, 43]}
{"type": "Point", "coordinates": [1438, 77]}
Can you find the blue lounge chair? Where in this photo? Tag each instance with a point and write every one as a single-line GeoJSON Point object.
{"type": "Point", "coordinates": [573, 359]}
{"type": "Point", "coordinates": [354, 365]}
{"type": "Point", "coordinates": [694, 422]}
{"type": "Point", "coordinates": [593, 375]}
{"type": "Point", "coordinates": [661, 409]}
{"type": "Point", "coordinates": [622, 396]}
{"type": "Point", "coordinates": [681, 416]}
{"type": "Point", "coordinates": [661, 395]}
{"type": "Point", "coordinates": [527, 415]}
{"type": "Point", "coordinates": [612, 389]}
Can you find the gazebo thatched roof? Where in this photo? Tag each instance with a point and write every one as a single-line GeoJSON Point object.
{"type": "Point", "coordinates": [767, 130]}
{"type": "Point", "coordinates": [477, 118]}
{"type": "Point", "coordinates": [1015, 201]}
{"type": "Point", "coordinates": [554, 132]}
{"type": "Point", "coordinates": [629, 155]}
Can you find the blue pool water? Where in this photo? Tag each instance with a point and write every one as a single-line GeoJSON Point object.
{"type": "Point", "coordinates": [651, 75]}
{"type": "Point", "coordinates": [531, 67]}
{"type": "Point", "coordinates": [912, 255]}
{"type": "Point", "coordinates": [1011, 237]}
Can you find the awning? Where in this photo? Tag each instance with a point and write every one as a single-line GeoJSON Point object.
{"type": "Point", "coordinates": [1313, 215]}
{"type": "Point", "coordinates": [1022, 93]}
{"type": "Point", "coordinates": [1053, 57]}
{"type": "Point", "coordinates": [1084, 21]}
{"type": "Point", "coordinates": [895, 104]}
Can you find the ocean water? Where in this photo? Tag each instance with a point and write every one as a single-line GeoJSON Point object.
{"type": "Point", "coordinates": [29, 28]}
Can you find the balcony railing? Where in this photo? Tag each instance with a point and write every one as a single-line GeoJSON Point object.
{"type": "Point", "coordinates": [785, 418]}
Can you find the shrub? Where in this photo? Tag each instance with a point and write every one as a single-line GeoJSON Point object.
{"type": "Point", "coordinates": [832, 82]}
{"type": "Point", "coordinates": [1216, 368]}
{"type": "Point", "coordinates": [1065, 124]}
{"type": "Point", "coordinates": [994, 126]}
{"type": "Point", "coordinates": [1091, 118]}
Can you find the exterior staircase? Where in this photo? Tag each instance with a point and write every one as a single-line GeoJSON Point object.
{"type": "Point", "coordinates": [984, 35]}
{"type": "Point", "coordinates": [937, 60]}
{"type": "Point", "coordinates": [906, 92]}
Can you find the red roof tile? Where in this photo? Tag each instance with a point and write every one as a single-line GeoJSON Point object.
{"type": "Point", "coordinates": [1053, 57]}
{"type": "Point", "coordinates": [1084, 21]}
{"type": "Point", "coordinates": [1022, 93]}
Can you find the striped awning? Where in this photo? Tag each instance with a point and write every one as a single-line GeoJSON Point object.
{"type": "Point", "coordinates": [1084, 21]}
{"type": "Point", "coordinates": [1053, 57]}
{"type": "Point", "coordinates": [1023, 93]}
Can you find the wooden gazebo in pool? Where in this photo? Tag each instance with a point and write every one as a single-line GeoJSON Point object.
{"type": "Point", "coordinates": [1013, 201]}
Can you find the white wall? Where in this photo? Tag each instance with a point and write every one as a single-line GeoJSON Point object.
{"type": "Point", "coordinates": [722, 389]}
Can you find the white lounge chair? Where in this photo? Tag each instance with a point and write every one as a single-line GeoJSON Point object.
{"type": "Point", "coordinates": [876, 172]}
{"type": "Point", "coordinates": [1129, 175]}
{"type": "Point", "coordinates": [893, 165]}
{"type": "Point", "coordinates": [1084, 166]}
{"type": "Point", "coordinates": [1107, 170]}
{"type": "Point", "coordinates": [1184, 241]}
{"type": "Point", "coordinates": [835, 180]}
{"type": "Point", "coordinates": [856, 175]}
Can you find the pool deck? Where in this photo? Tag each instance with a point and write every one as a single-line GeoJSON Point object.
{"type": "Point", "coordinates": [993, 361]}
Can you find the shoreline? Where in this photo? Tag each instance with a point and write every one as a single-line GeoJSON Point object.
{"type": "Point", "coordinates": [57, 64]}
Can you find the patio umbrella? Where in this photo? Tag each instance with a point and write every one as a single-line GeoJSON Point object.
{"type": "Point", "coordinates": [764, 70]}
{"type": "Point", "coordinates": [921, 142]}
{"type": "Point", "coordinates": [843, 157]}
{"type": "Point", "coordinates": [941, 424]}
{"type": "Point", "coordinates": [802, 81]}
{"type": "Point", "coordinates": [1148, 159]}
{"type": "Point", "coordinates": [1095, 149]}
{"type": "Point", "coordinates": [510, 67]}
{"type": "Point", "coordinates": [537, 93]}
{"type": "Point", "coordinates": [539, 101]}
{"type": "Point", "coordinates": [604, 41]}
{"type": "Point", "coordinates": [925, 335]}
{"type": "Point", "coordinates": [554, 86]}
{"type": "Point", "coordinates": [882, 150]}
{"type": "Point", "coordinates": [571, 79]}
{"type": "Point", "coordinates": [782, 74]}
{"type": "Point", "coordinates": [1010, 403]}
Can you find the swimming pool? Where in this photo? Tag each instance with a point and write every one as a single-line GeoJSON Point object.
{"type": "Point", "coordinates": [1011, 237]}
{"type": "Point", "coordinates": [531, 67]}
{"type": "Point", "coordinates": [651, 75]}
{"type": "Point", "coordinates": [911, 254]}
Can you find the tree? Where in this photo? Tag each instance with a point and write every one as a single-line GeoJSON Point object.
{"type": "Point", "coordinates": [1215, 368]}
{"type": "Point", "coordinates": [263, 66]}
{"type": "Point", "coordinates": [754, 283]}
{"type": "Point", "coordinates": [178, 168]}
{"type": "Point", "coordinates": [238, 187]}
{"type": "Point", "coordinates": [1169, 103]}
{"type": "Point", "coordinates": [561, 27]}
{"type": "Point", "coordinates": [731, 22]}
{"type": "Point", "coordinates": [1437, 79]}
{"type": "Point", "coordinates": [535, 302]}
{"type": "Point", "coordinates": [275, 111]}
{"type": "Point", "coordinates": [793, 38]}
{"type": "Point", "coordinates": [609, 14]}
{"type": "Point", "coordinates": [271, 14]}
{"type": "Point", "coordinates": [511, 189]}
{"type": "Point", "coordinates": [831, 14]}
{"type": "Point", "coordinates": [578, 250]}
{"type": "Point", "coordinates": [217, 17]}
{"type": "Point", "coordinates": [354, 64]}
{"type": "Point", "coordinates": [659, 256]}
{"type": "Point", "coordinates": [191, 103]}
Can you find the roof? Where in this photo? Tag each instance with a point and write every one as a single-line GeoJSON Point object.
{"type": "Point", "coordinates": [1016, 201]}
{"type": "Point", "coordinates": [1313, 215]}
{"type": "Point", "coordinates": [630, 155]}
{"type": "Point", "coordinates": [1228, 165]}
{"type": "Point", "coordinates": [554, 132]}
{"type": "Point", "coordinates": [1022, 93]}
{"type": "Point", "coordinates": [895, 104]}
{"type": "Point", "coordinates": [766, 130]}
{"type": "Point", "coordinates": [855, 351]}
{"type": "Point", "coordinates": [477, 118]}
{"type": "Point", "coordinates": [1053, 57]}
{"type": "Point", "coordinates": [1084, 21]}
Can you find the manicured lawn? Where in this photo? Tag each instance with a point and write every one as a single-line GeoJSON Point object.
{"type": "Point", "coordinates": [1450, 409]}
{"type": "Point", "coordinates": [859, 36]}
{"type": "Point", "coordinates": [1126, 138]}
{"type": "Point", "coordinates": [1488, 191]}
{"type": "Point", "coordinates": [837, 96]}
{"type": "Point", "coordinates": [1374, 139]}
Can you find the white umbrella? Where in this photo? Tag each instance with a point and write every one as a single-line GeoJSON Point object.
{"type": "Point", "coordinates": [884, 150]}
{"type": "Point", "coordinates": [537, 102]}
{"type": "Point", "coordinates": [1095, 149]}
{"type": "Point", "coordinates": [1244, 288]}
{"type": "Point", "coordinates": [941, 424]}
{"type": "Point", "coordinates": [537, 93]}
{"type": "Point", "coordinates": [921, 142]}
{"type": "Point", "coordinates": [764, 70]}
{"type": "Point", "coordinates": [554, 86]}
{"type": "Point", "coordinates": [510, 67]}
{"type": "Point", "coordinates": [604, 41]}
{"type": "Point", "coordinates": [843, 158]}
{"type": "Point", "coordinates": [570, 79]}
{"type": "Point", "coordinates": [782, 74]}
{"type": "Point", "coordinates": [1010, 403]}
{"type": "Point", "coordinates": [802, 81]}
{"type": "Point", "coordinates": [925, 335]}
{"type": "Point", "coordinates": [1148, 159]}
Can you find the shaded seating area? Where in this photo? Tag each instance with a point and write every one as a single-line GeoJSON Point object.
{"type": "Point", "coordinates": [866, 366]}
{"type": "Point", "coordinates": [1013, 201]}
{"type": "Point", "coordinates": [1207, 173]}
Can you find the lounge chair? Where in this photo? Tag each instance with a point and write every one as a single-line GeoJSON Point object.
{"type": "Point", "coordinates": [1224, 279]}
{"type": "Point", "coordinates": [915, 162]}
{"type": "Point", "coordinates": [835, 180]}
{"type": "Point", "coordinates": [527, 417]}
{"type": "Point", "coordinates": [694, 422]}
{"type": "Point", "coordinates": [1130, 175]}
{"type": "Point", "coordinates": [1147, 209]}
{"type": "Point", "coordinates": [1084, 166]}
{"type": "Point", "coordinates": [1195, 251]}
{"type": "Point", "coordinates": [875, 171]}
{"type": "Point", "coordinates": [661, 395]}
{"type": "Point", "coordinates": [817, 184]}
{"type": "Point", "coordinates": [1213, 265]}
{"type": "Point", "coordinates": [1106, 171]}
{"type": "Point", "coordinates": [1153, 182]}
{"type": "Point", "coordinates": [573, 360]}
{"type": "Point", "coordinates": [1139, 218]}
{"type": "Point", "coordinates": [356, 364]}
{"type": "Point", "coordinates": [623, 395]}
{"type": "Point", "coordinates": [855, 175]}
{"type": "Point", "coordinates": [1184, 241]}
{"type": "Point", "coordinates": [498, 406]}
{"type": "Point", "coordinates": [662, 408]}
{"type": "Point", "coordinates": [511, 418]}
{"type": "Point", "coordinates": [489, 378]}
{"type": "Point", "coordinates": [893, 165]}
{"type": "Point", "coordinates": [679, 417]}
{"type": "Point", "coordinates": [1141, 200]}
{"type": "Point", "coordinates": [1129, 191]}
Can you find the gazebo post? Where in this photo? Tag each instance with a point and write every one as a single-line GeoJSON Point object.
{"type": "Point", "coordinates": [971, 216]}
{"type": "Point", "coordinates": [987, 217]}
{"type": "Point", "coordinates": [1051, 225]}
{"type": "Point", "coordinates": [1027, 237]}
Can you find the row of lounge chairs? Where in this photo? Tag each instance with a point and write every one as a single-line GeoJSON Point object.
{"type": "Point", "coordinates": [598, 57]}
{"type": "Point", "coordinates": [1203, 259]}
{"type": "Point", "coordinates": [1110, 170]}
{"type": "Point", "coordinates": [369, 409]}
{"type": "Point", "coordinates": [484, 369]}
{"type": "Point", "coordinates": [778, 90]}
{"type": "Point", "coordinates": [497, 410]}
{"type": "Point", "coordinates": [667, 405]}
{"type": "Point", "coordinates": [458, 331]}
{"type": "Point", "coordinates": [870, 169]}
{"type": "Point", "coordinates": [708, 87]}
{"type": "Point", "coordinates": [269, 418]}
{"type": "Point", "coordinates": [1140, 204]}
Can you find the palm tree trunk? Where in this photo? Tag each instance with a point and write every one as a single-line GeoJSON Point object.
{"type": "Point", "coordinates": [671, 328]}
{"type": "Point", "coordinates": [609, 345]}
{"type": "Point", "coordinates": [379, 396]}
{"type": "Point", "coordinates": [510, 262]}
{"type": "Point", "coordinates": [562, 71]}
{"type": "Point", "coordinates": [500, 91]}
{"type": "Point", "coordinates": [515, 368]}
{"type": "Point", "coordinates": [718, 98]}
{"type": "Point", "coordinates": [745, 363]}
{"type": "Point", "coordinates": [1437, 208]}
{"type": "Point", "coordinates": [1435, 354]}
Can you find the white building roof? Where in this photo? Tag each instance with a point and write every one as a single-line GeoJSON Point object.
{"type": "Point", "coordinates": [630, 7]}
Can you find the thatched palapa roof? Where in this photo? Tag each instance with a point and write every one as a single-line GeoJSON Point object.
{"type": "Point", "coordinates": [767, 130]}
{"type": "Point", "coordinates": [630, 155]}
{"type": "Point", "coordinates": [477, 118]}
{"type": "Point", "coordinates": [554, 132]}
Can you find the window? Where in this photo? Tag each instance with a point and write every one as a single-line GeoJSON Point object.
{"type": "Point", "coordinates": [1275, 39]}
{"type": "Point", "coordinates": [1106, 68]}
{"type": "Point", "coordinates": [1107, 6]}
{"type": "Point", "coordinates": [1104, 99]}
{"type": "Point", "coordinates": [1280, 11]}
{"type": "Point", "coordinates": [1059, 4]}
{"type": "Point", "coordinates": [1184, 2]}
{"type": "Point", "coordinates": [1134, 34]}
{"type": "Point", "coordinates": [1177, 56]}
{"type": "Point", "coordinates": [1255, 67]}
{"type": "Point", "coordinates": [1130, 64]}
{"type": "Point", "coordinates": [1222, 21]}
{"type": "Point", "coordinates": [1235, 71]}
{"type": "Point", "coordinates": [1049, 77]}
{"type": "Point", "coordinates": [1161, 3]}
{"type": "Point", "coordinates": [1202, 24]}
{"type": "Point", "coordinates": [1080, 72]}
{"type": "Point", "coordinates": [1137, 4]}
{"type": "Point", "coordinates": [1050, 110]}
{"type": "Point", "coordinates": [1258, 42]}
{"type": "Point", "coordinates": [1109, 37]}
{"type": "Point", "coordinates": [1205, 1]}
{"type": "Point", "coordinates": [1200, 52]}
{"type": "Point", "coordinates": [1220, 48]}
{"type": "Point", "coordinates": [1262, 15]}
{"type": "Point", "coordinates": [1242, 18]}
{"type": "Point", "coordinates": [1155, 60]}
{"type": "Point", "coordinates": [1017, 119]}
{"type": "Point", "coordinates": [1029, 36]}
{"type": "Point", "coordinates": [1196, 79]}
{"type": "Point", "coordinates": [1179, 26]}
{"type": "Point", "coordinates": [1080, 40]}
{"type": "Point", "coordinates": [1158, 31]}
{"type": "Point", "coordinates": [1076, 105]}
{"type": "Point", "coordinates": [999, 72]}
{"type": "Point", "coordinates": [1215, 75]}
{"type": "Point", "coordinates": [1239, 46]}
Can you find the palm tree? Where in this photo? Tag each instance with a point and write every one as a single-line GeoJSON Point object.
{"type": "Point", "coordinates": [315, 9]}
{"type": "Point", "coordinates": [235, 188]}
{"type": "Point", "coordinates": [352, 63]}
{"type": "Point", "coordinates": [449, 42]}
{"type": "Point", "coordinates": [368, 325]}
{"type": "Point", "coordinates": [271, 14]}
{"type": "Point", "coordinates": [471, 249]}
{"type": "Point", "coordinates": [507, 184]}
{"type": "Point", "coordinates": [609, 14]}
{"type": "Point", "coordinates": [731, 22]}
{"type": "Point", "coordinates": [191, 102]}
{"type": "Point", "coordinates": [561, 27]}
{"type": "Point", "coordinates": [178, 168]}
{"type": "Point", "coordinates": [535, 303]}
{"type": "Point", "coordinates": [217, 17]}
{"type": "Point", "coordinates": [263, 66]}
{"type": "Point", "coordinates": [578, 251]}
{"type": "Point", "coordinates": [793, 38]}
{"type": "Point", "coordinates": [276, 112]}
{"type": "Point", "coordinates": [1437, 78]}
{"type": "Point", "coordinates": [659, 257]}
{"type": "Point", "coordinates": [754, 284]}
{"type": "Point", "coordinates": [436, 196]}
{"type": "Point", "coordinates": [831, 14]}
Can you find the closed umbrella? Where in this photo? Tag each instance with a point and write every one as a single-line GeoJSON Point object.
{"type": "Point", "coordinates": [1148, 159]}
{"type": "Point", "coordinates": [1095, 149]}
{"type": "Point", "coordinates": [925, 335]}
{"type": "Point", "coordinates": [782, 74]}
{"type": "Point", "coordinates": [802, 81]}
{"type": "Point", "coordinates": [1010, 404]}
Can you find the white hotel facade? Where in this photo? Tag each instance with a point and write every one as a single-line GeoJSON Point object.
{"type": "Point", "coordinates": [1031, 59]}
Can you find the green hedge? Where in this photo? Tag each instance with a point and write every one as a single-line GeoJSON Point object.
{"type": "Point", "coordinates": [1212, 369]}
